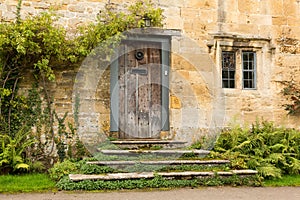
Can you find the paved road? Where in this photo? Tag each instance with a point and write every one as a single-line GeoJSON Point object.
{"type": "Point", "coordinates": [213, 193]}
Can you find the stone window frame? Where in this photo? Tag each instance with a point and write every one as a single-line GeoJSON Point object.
{"type": "Point", "coordinates": [239, 44]}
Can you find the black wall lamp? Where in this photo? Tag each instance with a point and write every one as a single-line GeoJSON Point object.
{"type": "Point", "coordinates": [147, 21]}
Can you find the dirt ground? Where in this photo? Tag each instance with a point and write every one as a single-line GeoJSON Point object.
{"type": "Point", "coordinates": [214, 193]}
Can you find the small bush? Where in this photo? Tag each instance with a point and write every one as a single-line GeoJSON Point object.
{"type": "Point", "coordinates": [273, 151]}
{"type": "Point", "coordinates": [60, 170]}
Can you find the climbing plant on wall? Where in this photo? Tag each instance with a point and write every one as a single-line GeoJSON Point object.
{"type": "Point", "coordinates": [38, 46]}
{"type": "Point", "coordinates": [289, 45]}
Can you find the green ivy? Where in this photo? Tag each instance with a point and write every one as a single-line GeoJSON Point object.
{"type": "Point", "coordinates": [37, 46]}
{"type": "Point", "coordinates": [292, 92]}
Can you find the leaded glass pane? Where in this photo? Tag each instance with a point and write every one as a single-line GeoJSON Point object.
{"type": "Point", "coordinates": [228, 69]}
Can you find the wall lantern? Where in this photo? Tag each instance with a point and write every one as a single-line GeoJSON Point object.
{"type": "Point", "coordinates": [147, 21]}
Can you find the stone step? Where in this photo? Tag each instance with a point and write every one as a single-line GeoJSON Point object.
{"type": "Point", "coordinates": [153, 152]}
{"type": "Point", "coordinates": [169, 175]}
{"type": "Point", "coordinates": [148, 143]}
{"type": "Point", "coordinates": [161, 162]}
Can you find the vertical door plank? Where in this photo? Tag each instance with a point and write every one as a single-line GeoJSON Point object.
{"type": "Point", "coordinates": [143, 98]}
{"type": "Point", "coordinates": [131, 98]}
{"type": "Point", "coordinates": [122, 124]}
{"type": "Point", "coordinates": [155, 76]}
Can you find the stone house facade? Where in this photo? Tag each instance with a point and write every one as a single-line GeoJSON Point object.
{"type": "Point", "coordinates": [214, 61]}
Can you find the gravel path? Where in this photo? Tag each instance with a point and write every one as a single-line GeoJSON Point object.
{"type": "Point", "coordinates": [214, 193]}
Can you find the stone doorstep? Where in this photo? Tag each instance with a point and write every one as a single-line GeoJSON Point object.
{"type": "Point", "coordinates": [141, 143]}
{"type": "Point", "coordinates": [164, 152]}
{"type": "Point", "coordinates": [149, 175]}
{"type": "Point", "coordinates": [161, 162]}
{"type": "Point", "coordinates": [150, 141]}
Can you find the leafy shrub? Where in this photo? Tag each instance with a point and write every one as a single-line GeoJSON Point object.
{"type": "Point", "coordinates": [60, 170]}
{"type": "Point", "coordinates": [271, 150]}
{"type": "Point", "coordinates": [12, 150]}
{"type": "Point", "coordinates": [37, 167]}
{"type": "Point", "coordinates": [157, 182]}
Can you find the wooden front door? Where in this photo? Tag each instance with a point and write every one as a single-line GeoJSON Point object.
{"type": "Point", "coordinates": [140, 91]}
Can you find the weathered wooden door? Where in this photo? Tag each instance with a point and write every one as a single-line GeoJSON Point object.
{"type": "Point", "coordinates": [140, 89]}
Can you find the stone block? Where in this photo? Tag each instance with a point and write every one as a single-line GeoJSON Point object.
{"type": "Point", "coordinates": [11, 3]}
{"type": "Point", "coordinates": [246, 29]}
{"type": "Point", "coordinates": [290, 8]}
{"type": "Point", "coordinates": [165, 135]}
{"type": "Point", "coordinates": [104, 1]}
{"type": "Point", "coordinates": [260, 19]}
{"type": "Point", "coordinates": [198, 62]}
{"type": "Point", "coordinates": [8, 16]}
{"type": "Point", "coordinates": [26, 3]}
{"type": "Point", "coordinates": [176, 118]}
{"type": "Point", "coordinates": [204, 4]}
{"type": "Point", "coordinates": [175, 43]}
{"type": "Point", "coordinates": [276, 7]}
{"type": "Point", "coordinates": [248, 6]}
{"type": "Point", "coordinates": [190, 117]}
{"type": "Point", "coordinates": [279, 20]}
{"type": "Point", "coordinates": [208, 16]}
{"type": "Point", "coordinates": [175, 102]}
{"type": "Point", "coordinates": [41, 5]}
{"type": "Point", "coordinates": [171, 11]}
{"type": "Point", "coordinates": [189, 13]}
{"type": "Point", "coordinates": [201, 90]}
{"type": "Point", "coordinates": [293, 21]}
{"type": "Point", "coordinates": [184, 74]}
{"type": "Point", "coordinates": [173, 22]}
{"type": "Point", "coordinates": [176, 3]}
{"type": "Point", "coordinates": [115, 1]}
{"type": "Point", "coordinates": [76, 8]}
{"type": "Point", "coordinates": [188, 26]}
{"type": "Point", "coordinates": [25, 11]}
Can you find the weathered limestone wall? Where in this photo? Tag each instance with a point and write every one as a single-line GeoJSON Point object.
{"type": "Point", "coordinates": [198, 105]}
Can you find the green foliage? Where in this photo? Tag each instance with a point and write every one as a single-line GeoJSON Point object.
{"type": "Point", "coordinates": [62, 169]}
{"type": "Point", "coordinates": [157, 182]}
{"type": "Point", "coordinates": [95, 169]}
{"type": "Point", "coordinates": [26, 183]}
{"type": "Point", "coordinates": [106, 33]}
{"type": "Point", "coordinates": [63, 136]}
{"type": "Point", "coordinates": [196, 145]}
{"type": "Point", "coordinates": [37, 167]}
{"type": "Point", "coordinates": [270, 150]}
{"type": "Point", "coordinates": [285, 181]}
{"type": "Point", "coordinates": [12, 150]}
{"type": "Point", "coordinates": [35, 48]}
{"type": "Point", "coordinates": [170, 168]}
{"type": "Point", "coordinates": [292, 92]}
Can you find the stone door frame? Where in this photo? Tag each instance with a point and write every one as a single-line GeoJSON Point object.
{"type": "Point", "coordinates": [165, 73]}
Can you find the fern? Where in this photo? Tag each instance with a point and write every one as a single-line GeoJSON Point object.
{"type": "Point", "coordinates": [294, 166]}
{"type": "Point", "coordinates": [271, 150]}
{"type": "Point", "coordinates": [269, 171]}
{"type": "Point", "coordinates": [13, 150]}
